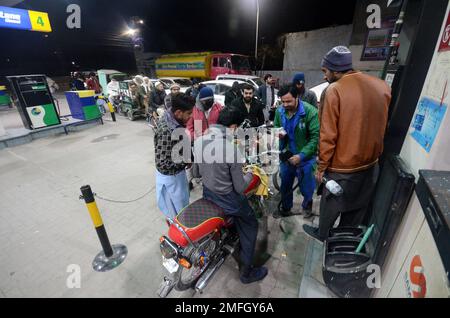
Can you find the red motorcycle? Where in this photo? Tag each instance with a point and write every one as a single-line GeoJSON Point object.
{"type": "Point", "coordinates": [200, 239]}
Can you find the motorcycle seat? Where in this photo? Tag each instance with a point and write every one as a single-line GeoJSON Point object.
{"type": "Point", "coordinates": [198, 213]}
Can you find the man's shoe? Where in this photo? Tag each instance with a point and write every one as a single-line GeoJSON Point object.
{"type": "Point", "coordinates": [250, 274]}
{"type": "Point", "coordinates": [282, 214]}
{"type": "Point", "coordinates": [313, 232]}
{"type": "Point", "coordinates": [307, 212]}
{"type": "Point", "coordinates": [285, 212]}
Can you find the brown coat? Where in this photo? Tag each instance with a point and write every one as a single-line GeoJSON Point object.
{"type": "Point", "coordinates": [353, 123]}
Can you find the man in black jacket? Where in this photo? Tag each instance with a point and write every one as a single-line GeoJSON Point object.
{"type": "Point", "coordinates": [250, 106]}
{"type": "Point", "coordinates": [157, 99]}
{"type": "Point", "coordinates": [267, 93]}
{"type": "Point", "coordinates": [233, 93]}
{"type": "Point", "coordinates": [305, 94]}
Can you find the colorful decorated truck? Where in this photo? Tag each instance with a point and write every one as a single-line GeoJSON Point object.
{"type": "Point", "coordinates": [202, 65]}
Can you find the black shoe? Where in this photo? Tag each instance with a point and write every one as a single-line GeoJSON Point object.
{"type": "Point", "coordinates": [250, 274]}
{"type": "Point", "coordinates": [313, 232]}
{"type": "Point", "coordinates": [307, 212]}
{"type": "Point", "coordinates": [282, 214]}
{"type": "Point", "coordinates": [285, 212]}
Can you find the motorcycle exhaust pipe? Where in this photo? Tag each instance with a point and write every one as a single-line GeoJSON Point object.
{"type": "Point", "coordinates": [206, 277]}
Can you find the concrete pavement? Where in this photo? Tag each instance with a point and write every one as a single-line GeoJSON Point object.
{"type": "Point", "coordinates": [45, 227]}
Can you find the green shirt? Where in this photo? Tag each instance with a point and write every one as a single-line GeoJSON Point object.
{"type": "Point", "coordinates": [306, 138]}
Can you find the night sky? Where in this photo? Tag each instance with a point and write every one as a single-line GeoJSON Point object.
{"type": "Point", "coordinates": [170, 26]}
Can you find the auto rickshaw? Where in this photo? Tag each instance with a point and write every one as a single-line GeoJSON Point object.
{"type": "Point", "coordinates": [131, 100]}
{"type": "Point", "coordinates": [104, 77]}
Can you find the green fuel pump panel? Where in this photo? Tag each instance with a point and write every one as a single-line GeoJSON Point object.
{"type": "Point", "coordinates": [36, 106]}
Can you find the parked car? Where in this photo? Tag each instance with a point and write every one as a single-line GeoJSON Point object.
{"type": "Point", "coordinates": [318, 89]}
{"type": "Point", "coordinates": [220, 87]}
{"type": "Point", "coordinates": [250, 79]}
{"type": "Point", "coordinates": [184, 82]}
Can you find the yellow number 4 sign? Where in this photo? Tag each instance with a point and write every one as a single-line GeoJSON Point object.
{"type": "Point", "coordinates": [39, 21]}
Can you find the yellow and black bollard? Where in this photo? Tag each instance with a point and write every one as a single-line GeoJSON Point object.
{"type": "Point", "coordinates": [108, 103]}
{"type": "Point", "coordinates": [111, 256]}
{"type": "Point", "coordinates": [111, 110]}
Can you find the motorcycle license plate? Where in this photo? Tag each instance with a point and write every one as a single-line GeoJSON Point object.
{"type": "Point", "coordinates": [170, 264]}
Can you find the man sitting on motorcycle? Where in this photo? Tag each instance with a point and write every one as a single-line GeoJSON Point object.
{"type": "Point", "coordinates": [220, 163]}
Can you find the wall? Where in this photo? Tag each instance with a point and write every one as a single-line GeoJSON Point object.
{"type": "Point", "coordinates": [414, 236]}
{"type": "Point", "coordinates": [359, 33]}
{"type": "Point", "coordinates": [304, 51]}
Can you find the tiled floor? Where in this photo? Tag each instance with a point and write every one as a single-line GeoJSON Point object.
{"type": "Point", "coordinates": [45, 227]}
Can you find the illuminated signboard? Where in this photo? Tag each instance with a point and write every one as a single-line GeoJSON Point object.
{"type": "Point", "coordinates": [24, 19]}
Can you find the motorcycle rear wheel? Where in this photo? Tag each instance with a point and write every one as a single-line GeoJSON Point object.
{"type": "Point", "coordinates": [183, 284]}
{"type": "Point", "coordinates": [276, 179]}
{"type": "Point", "coordinates": [187, 278]}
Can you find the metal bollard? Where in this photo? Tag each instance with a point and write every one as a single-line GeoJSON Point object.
{"type": "Point", "coordinates": [111, 110]}
{"type": "Point", "coordinates": [111, 256]}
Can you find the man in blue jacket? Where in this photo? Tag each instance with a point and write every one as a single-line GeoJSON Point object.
{"type": "Point", "coordinates": [300, 121]}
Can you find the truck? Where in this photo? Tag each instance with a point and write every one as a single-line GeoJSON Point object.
{"type": "Point", "coordinates": [201, 65]}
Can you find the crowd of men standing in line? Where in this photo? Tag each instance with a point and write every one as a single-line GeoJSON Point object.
{"type": "Point", "coordinates": [342, 141]}
{"type": "Point", "coordinates": [317, 141]}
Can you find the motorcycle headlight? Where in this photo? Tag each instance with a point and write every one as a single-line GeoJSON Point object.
{"type": "Point", "coordinates": [167, 247]}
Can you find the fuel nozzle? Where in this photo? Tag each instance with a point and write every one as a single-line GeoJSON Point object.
{"type": "Point", "coordinates": [333, 187]}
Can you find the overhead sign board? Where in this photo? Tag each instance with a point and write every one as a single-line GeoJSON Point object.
{"type": "Point", "coordinates": [24, 19]}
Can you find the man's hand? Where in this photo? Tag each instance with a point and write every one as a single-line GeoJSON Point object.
{"type": "Point", "coordinates": [295, 160]}
{"type": "Point", "coordinates": [247, 169]}
{"type": "Point", "coordinates": [319, 176]}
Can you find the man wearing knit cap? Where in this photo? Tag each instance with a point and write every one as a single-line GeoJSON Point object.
{"type": "Point", "coordinates": [194, 89]}
{"type": "Point", "coordinates": [157, 100]}
{"type": "Point", "coordinates": [174, 91]}
{"type": "Point", "coordinates": [304, 94]}
{"type": "Point", "coordinates": [353, 122]}
{"type": "Point", "coordinates": [233, 93]}
{"type": "Point", "coordinates": [205, 113]}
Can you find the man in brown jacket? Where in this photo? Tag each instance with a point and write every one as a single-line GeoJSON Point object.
{"type": "Point", "coordinates": [353, 120]}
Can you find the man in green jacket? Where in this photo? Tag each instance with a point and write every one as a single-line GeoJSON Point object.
{"type": "Point", "coordinates": [298, 148]}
